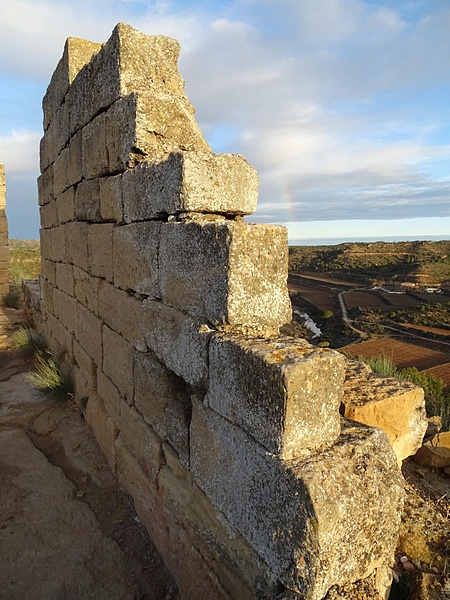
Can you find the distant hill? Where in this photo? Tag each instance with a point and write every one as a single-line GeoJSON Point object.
{"type": "Point", "coordinates": [380, 262]}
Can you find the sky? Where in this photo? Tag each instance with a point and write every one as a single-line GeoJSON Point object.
{"type": "Point", "coordinates": [342, 106]}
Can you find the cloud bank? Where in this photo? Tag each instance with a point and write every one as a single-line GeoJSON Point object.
{"type": "Point", "coordinates": [339, 104]}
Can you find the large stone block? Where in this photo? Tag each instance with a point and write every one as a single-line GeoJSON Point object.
{"type": "Point", "coordinates": [87, 201]}
{"type": "Point", "coordinates": [122, 312]}
{"type": "Point", "coordinates": [397, 407]}
{"type": "Point", "coordinates": [65, 206]}
{"type": "Point", "coordinates": [103, 426]}
{"type": "Point", "coordinates": [55, 138]}
{"type": "Point", "coordinates": [60, 183]}
{"type": "Point", "coordinates": [45, 236]}
{"type": "Point", "coordinates": [47, 296]}
{"type": "Point", "coordinates": [190, 182]}
{"type": "Point", "coordinates": [111, 204]}
{"type": "Point", "coordinates": [76, 54]}
{"type": "Point", "coordinates": [226, 272]}
{"type": "Point", "coordinates": [64, 278]}
{"type": "Point", "coordinates": [48, 270]}
{"type": "Point", "coordinates": [140, 439]}
{"type": "Point", "coordinates": [135, 257]}
{"type": "Point", "coordinates": [283, 392]}
{"type": "Point", "coordinates": [153, 123]}
{"type": "Point", "coordinates": [110, 394]}
{"type": "Point", "coordinates": [45, 184]}
{"type": "Point", "coordinates": [100, 250]}
{"type": "Point", "coordinates": [49, 215]}
{"type": "Point", "coordinates": [118, 362]}
{"type": "Point", "coordinates": [308, 519]}
{"type": "Point", "coordinates": [89, 334]}
{"type": "Point", "coordinates": [180, 341]}
{"type": "Point", "coordinates": [58, 243]}
{"type": "Point", "coordinates": [164, 402]}
{"type": "Point", "coordinates": [86, 365]}
{"type": "Point", "coordinates": [86, 289]}
{"type": "Point", "coordinates": [58, 338]}
{"type": "Point", "coordinates": [74, 165]}
{"type": "Point", "coordinates": [94, 151]}
{"type": "Point", "coordinates": [128, 61]}
{"type": "Point", "coordinates": [65, 308]}
{"type": "Point", "coordinates": [77, 244]}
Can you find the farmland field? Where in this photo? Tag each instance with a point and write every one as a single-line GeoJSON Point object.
{"type": "Point", "coordinates": [402, 354]}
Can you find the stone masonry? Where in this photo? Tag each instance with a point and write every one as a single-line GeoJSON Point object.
{"type": "Point", "coordinates": [4, 246]}
{"type": "Point", "coordinates": [167, 306]}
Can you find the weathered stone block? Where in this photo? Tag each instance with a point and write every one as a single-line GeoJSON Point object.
{"type": "Point", "coordinates": [45, 186]}
{"type": "Point", "coordinates": [59, 338]}
{"type": "Point", "coordinates": [89, 334]}
{"type": "Point", "coordinates": [65, 206]}
{"type": "Point", "coordinates": [162, 399]}
{"type": "Point", "coordinates": [308, 518]}
{"type": "Point", "coordinates": [58, 243]}
{"type": "Point", "coordinates": [227, 272]}
{"type": "Point", "coordinates": [191, 182]}
{"type": "Point", "coordinates": [49, 215]}
{"type": "Point", "coordinates": [55, 138]}
{"type": "Point", "coordinates": [100, 250]}
{"type": "Point", "coordinates": [76, 54]}
{"type": "Point", "coordinates": [48, 270]}
{"type": "Point", "coordinates": [135, 257]}
{"type": "Point", "coordinates": [64, 278]}
{"type": "Point", "coordinates": [154, 124]}
{"type": "Point", "coordinates": [87, 201]}
{"type": "Point", "coordinates": [128, 61]}
{"type": "Point", "coordinates": [122, 312]}
{"type": "Point", "coordinates": [74, 160]}
{"type": "Point", "coordinates": [65, 308]}
{"type": "Point", "coordinates": [110, 395]}
{"type": "Point", "coordinates": [60, 183]}
{"type": "Point", "coordinates": [77, 244]}
{"type": "Point", "coordinates": [87, 366]}
{"type": "Point", "coordinates": [105, 430]}
{"type": "Point", "coordinates": [141, 441]}
{"type": "Point", "coordinates": [47, 296]}
{"type": "Point", "coordinates": [178, 340]}
{"type": "Point", "coordinates": [118, 362]}
{"type": "Point", "coordinates": [94, 152]}
{"type": "Point", "coordinates": [111, 205]}
{"type": "Point", "coordinates": [45, 236]}
{"type": "Point", "coordinates": [283, 392]}
{"type": "Point", "coordinates": [86, 289]}
{"type": "Point", "coordinates": [397, 407]}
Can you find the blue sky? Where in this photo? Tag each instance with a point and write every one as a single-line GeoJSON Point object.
{"type": "Point", "coordinates": [341, 105]}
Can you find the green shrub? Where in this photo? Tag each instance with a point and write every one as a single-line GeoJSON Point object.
{"type": "Point", "coordinates": [27, 340]}
{"type": "Point", "coordinates": [11, 299]}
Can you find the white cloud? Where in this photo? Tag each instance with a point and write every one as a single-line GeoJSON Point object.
{"type": "Point", "coordinates": [19, 152]}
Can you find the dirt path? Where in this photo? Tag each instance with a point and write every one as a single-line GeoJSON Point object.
{"type": "Point", "coordinates": [67, 531]}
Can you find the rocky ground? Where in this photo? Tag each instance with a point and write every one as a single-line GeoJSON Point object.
{"type": "Point", "coordinates": [68, 531]}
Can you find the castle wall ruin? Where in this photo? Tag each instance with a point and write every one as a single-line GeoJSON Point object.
{"type": "Point", "coordinates": [4, 244]}
{"type": "Point", "coordinates": [167, 306]}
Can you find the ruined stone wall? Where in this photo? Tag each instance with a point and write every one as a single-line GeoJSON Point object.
{"type": "Point", "coordinates": [4, 246]}
{"type": "Point", "coordinates": [167, 307]}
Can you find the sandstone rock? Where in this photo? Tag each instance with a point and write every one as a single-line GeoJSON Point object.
{"type": "Point", "coordinates": [191, 181]}
{"type": "Point", "coordinates": [228, 273]}
{"type": "Point", "coordinates": [283, 392]}
{"type": "Point", "coordinates": [64, 279]}
{"type": "Point", "coordinates": [118, 362]}
{"type": "Point", "coordinates": [435, 452]}
{"type": "Point", "coordinates": [111, 204]}
{"type": "Point", "coordinates": [397, 407]}
{"type": "Point", "coordinates": [87, 201]}
{"type": "Point", "coordinates": [100, 255]}
{"type": "Point", "coordinates": [65, 206]}
{"type": "Point", "coordinates": [316, 532]}
{"type": "Point", "coordinates": [89, 334]}
{"type": "Point", "coordinates": [76, 244]}
{"type": "Point", "coordinates": [45, 183]}
{"type": "Point", "coordinates": [434, 426]}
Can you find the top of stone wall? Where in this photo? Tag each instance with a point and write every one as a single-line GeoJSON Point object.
{"type": "Point", "coordinates": [100, 74]}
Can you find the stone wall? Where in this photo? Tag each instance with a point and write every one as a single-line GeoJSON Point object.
{"type": "Point", "coordinates": [4, 246]}
{"type": "Point", "coordinates": [167, 307]}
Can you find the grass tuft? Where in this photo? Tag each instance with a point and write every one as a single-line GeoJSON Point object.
{"type": "Point", "coordinates": [27, 340]}
{"type": "Point", "coordinates": [11, 299]}
{"type": "Point", "coordinates": [49, 377]}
